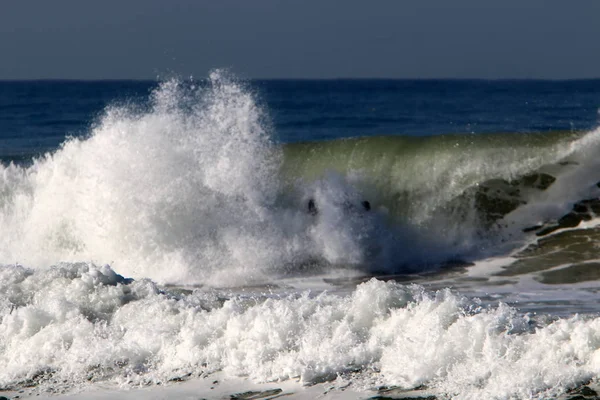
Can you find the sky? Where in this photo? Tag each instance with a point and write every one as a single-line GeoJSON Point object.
{"type": "Point", "coordinates": [149, 39]}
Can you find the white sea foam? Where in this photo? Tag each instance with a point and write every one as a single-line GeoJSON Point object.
{"type": "Point", "coordinates": [66, 326]}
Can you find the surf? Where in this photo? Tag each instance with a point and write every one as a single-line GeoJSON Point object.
{"type": "Point", "coordinates": [178, 240]}
{"type": "Point", "coordinates": [96, 328]}
{"type": "Point", "coordinates": [191, 188]}
{"type": "Point", "coordinates": [184, 189]}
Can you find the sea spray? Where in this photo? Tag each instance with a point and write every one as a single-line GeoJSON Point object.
{"type": "Point", "coordinates": [185, 191]}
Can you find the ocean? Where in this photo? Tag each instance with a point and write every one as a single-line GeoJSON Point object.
{"type": "Point", "coordinates": [255, 239]}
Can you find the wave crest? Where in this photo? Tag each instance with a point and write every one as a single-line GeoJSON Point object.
{"type": "Point", "coordinates": [185, 190]}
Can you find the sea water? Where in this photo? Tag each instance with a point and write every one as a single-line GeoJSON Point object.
{"type": "Point", "coordinates": [160, 232]}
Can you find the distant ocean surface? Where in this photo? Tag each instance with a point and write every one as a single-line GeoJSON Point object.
{"type": "Point", "coordinates": [379, 238]}
{"type": "Point", "coordinates": [37, 115]}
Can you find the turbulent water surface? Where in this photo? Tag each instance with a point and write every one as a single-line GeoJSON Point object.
{"type": "Point", "coordinates": [380, 235]}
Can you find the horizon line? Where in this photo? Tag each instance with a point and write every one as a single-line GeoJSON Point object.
{"type": "Point", "coordinates": [158, 79]}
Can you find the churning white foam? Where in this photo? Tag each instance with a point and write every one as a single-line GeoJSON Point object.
{"type": "Point", "coordinates": [70, 325]}
{"type": "Point", "coordinates": [185, 191]}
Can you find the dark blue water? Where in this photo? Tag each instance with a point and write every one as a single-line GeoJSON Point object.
{"type": "Point", "coordinates": [36, 116]}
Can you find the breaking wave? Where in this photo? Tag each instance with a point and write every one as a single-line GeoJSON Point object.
{"type": "Point", "coordinates": [183, 191]}
{"type": "Point", "coordinates": [192, 190]}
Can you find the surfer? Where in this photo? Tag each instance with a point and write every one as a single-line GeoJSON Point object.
{"type": "Point", "coordinates": [312, 207]}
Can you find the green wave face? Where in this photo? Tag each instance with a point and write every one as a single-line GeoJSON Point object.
{"type": "Point", "coordinates": [471, 180]}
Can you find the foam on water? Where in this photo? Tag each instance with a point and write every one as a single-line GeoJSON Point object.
{"type": "Point", "coordinates": [67, 326]}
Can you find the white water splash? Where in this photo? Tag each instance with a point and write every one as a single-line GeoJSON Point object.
{"type": "Point", "coordinates": [184, 192]}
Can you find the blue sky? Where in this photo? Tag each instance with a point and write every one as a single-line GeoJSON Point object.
{"type": "Point", "coordinates": [80, 39]}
